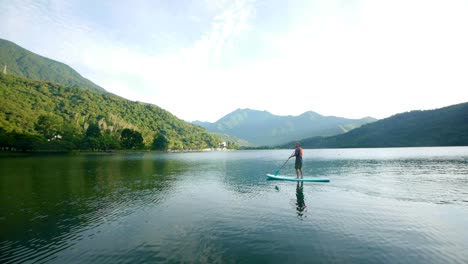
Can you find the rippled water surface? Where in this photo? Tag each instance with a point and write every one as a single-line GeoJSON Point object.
{"type": "Point", "coordinates": [401, 205]}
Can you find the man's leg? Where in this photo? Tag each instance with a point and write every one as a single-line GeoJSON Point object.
{"type": "Point", "coordinates": [299, 170]}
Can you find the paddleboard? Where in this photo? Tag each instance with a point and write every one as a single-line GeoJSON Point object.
{"type": "Point", "coordinates": [286, 178]}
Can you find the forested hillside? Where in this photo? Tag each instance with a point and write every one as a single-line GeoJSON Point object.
{"type": "Point", "coordinates": [74, 118]}
{"type": "Point", "coordinates": [446, 126]}
{"type": "Point", "coordinates": [23, 63]}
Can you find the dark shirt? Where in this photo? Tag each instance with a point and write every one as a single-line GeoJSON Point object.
{"type": "Point", "coordinates": [298, 155]}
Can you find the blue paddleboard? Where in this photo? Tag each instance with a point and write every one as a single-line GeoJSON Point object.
{"type": "Point", "coordinates": [286, 178]}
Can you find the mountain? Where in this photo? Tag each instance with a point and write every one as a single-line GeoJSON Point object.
{"type": "Point", "coordinates": [34, 108]}
{"type": "Point", "coordinates": [23, 63]}
{"type": "Point", "coordinates": [42, 98]}
{"type": "Point", "coordinates": [261, 128]}
{"type": "Point", "coordinates": [447, 126]}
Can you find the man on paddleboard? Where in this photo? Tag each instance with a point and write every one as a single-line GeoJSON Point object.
{"type": "Point", "coordinates": [298, 165]}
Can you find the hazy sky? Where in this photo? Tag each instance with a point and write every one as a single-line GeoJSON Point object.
{"type": "Point", "coordinates": [204, 59]}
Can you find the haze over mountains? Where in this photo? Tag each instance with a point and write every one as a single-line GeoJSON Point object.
{"type": "Point", "coordinates": [261, 128]}
{"type": "Point", "coordinates": [38, 89]}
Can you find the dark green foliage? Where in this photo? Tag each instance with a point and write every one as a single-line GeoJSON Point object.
{"type": "Point", "coordinates": [446, 126]}
{"type": "Point", "coordinates": [19, 142]}
{"type": "Point", "coordinates": [49, 126]}
{"type": "Point", "coordinates": [47, 109]}
{"type": "Point", "coordinates": [160, 142]}
{"type": "Point", "coordinates": [110, 141]}
{"type": "Point", "coordinates": [131, 139]}
{"type": "Point", "coordinates": [23, 63]}
{"type": "Point", "coordinates": [93, 131]}
{"type": "Point", "coordinates": [93, 138]}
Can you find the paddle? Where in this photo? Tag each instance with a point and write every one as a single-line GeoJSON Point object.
{"type": "Point", "coordinates": [277, 172]}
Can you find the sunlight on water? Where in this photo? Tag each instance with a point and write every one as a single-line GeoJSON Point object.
{"type": "Point", "coordinates": [406, 205]}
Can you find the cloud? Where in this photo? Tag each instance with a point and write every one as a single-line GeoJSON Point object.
{"type": "Point", "coordinates": [182, 81]}
{"type": "Point", "coordinates": [201, 60]}
{"type": "Point", "coordinates": [370, 62]}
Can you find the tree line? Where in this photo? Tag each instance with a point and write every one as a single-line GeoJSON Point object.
{"type": "Point", "coordinates": [94, 139]}
{"type": "Point", "coordinates": [39, 115]}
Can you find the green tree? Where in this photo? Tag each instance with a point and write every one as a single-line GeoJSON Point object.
{"type": "Point", "coordinates": [68, 110]}
{"type": "Point", "coordinates": [24, 142]}
{"type": "Point", "coordinates": [110, 141]}
{"type": "Point", "coordinates": [131, 139]}
{"type": "Point", "coordinates": [49, 125]}
{"type": "Point", "coordinates": [71, 135]}
{"type": "Point", "coordinates": [232, 145]}
{"type": "Point", "coordinates": [93, 131]}
{"type": "Point", "coordinates": [160, 142]}
{"type": "Point", "coordinates": [6, 139]}
{"type": "Point", "coordinates": [93, 136]}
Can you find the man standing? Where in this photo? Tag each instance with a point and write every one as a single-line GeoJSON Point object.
{"type": "Point", "coordinates": [298, 165]}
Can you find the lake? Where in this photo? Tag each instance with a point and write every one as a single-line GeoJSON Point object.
{"type": "Point", "coordinates": [395, 205]}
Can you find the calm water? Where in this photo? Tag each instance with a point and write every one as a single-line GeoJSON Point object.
{"type": "Point", "coordinates": [402, 205]}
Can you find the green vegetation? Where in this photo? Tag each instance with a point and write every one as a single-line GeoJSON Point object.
{"type": "Point", "coordinates": [46, 105]}
{"type": "Point", "coordinates": [131, 139]}
{"type": "Point", "coordinates": [252, 128]}
{"type": "Point", "coordinates": [58, 109]}
{"type": "Point", "coordinates": [39, 115]}
{"type": "Point", "coordinates": [23, 63]}
{"type": "Point", "coordinates": [446, 126]}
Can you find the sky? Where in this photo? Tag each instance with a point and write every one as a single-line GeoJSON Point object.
{"type": "Point", "coordinates": [202, 59]}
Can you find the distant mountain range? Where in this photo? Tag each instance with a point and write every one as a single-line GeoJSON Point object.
{"type": "Point", "coordinates": [261, 128]}
{"type": "Point", "coordinates": [39, 95]}
{"type": "Point", "coordinates": [23, 63]}
{"type": "Point", "coordinates": [447, 126]}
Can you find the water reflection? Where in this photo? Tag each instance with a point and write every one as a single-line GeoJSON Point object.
{"type": "Point", "coordinates": [300, 200]}
{"type": "Point", "coordinates": [219, 208]}
{"type": "Point", "coordinates": [46, 200]}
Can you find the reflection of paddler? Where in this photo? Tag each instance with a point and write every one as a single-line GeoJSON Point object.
{"type": "Point", "coordinates": [300, 204]}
